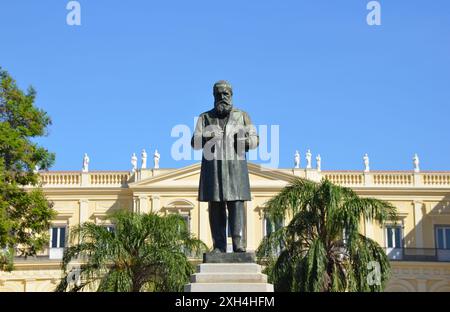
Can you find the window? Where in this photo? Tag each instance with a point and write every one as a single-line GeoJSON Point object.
{"type": "Point", "coordinates": [443, 237]}
{"type": "Point", "coordinates": [270, 227]}
{"type": "Point", "coordinates": [394, 237]}
{"type": "Point", "coordinates": [58, 237]}
{"type": "Point", "coordinates": [187, 221]}
{"type": "Point", "coordinates": [344, 236]}
{"type": "Point", "coordinates": [110, 228]}
{"type": "Point", "coordinates": [443, 242]}
{"type": "Point", "coordinates": [57, 242]}
{"type": "Point", "coordinates": [394, 242]}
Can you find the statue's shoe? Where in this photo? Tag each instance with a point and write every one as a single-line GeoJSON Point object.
{"type": "Point", "coordinates": [217, 250]}
{"type": "Point", "coordinates": [238, 244]}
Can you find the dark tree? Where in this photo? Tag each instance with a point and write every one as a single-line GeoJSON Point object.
{"type": "Point", "coordinates": [25, 214]}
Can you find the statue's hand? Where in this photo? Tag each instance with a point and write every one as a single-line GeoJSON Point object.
{"type": "Point", "coordinates": [216, 132]}
{"type": "Point", "coordinates": [241, 144]}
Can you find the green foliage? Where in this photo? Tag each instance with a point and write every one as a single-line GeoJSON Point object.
{"type": "Point", "coordinates": [312, 253]}
{"type": "Point", "coordinates": [145, 252]}
{"type": "Point", "coordinates": [24, 215]}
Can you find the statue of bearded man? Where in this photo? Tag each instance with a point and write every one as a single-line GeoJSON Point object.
{"type": "Point", "coordinates": [225, 134]}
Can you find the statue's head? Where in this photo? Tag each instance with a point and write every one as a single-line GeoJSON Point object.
{"type": "Point", "coordinates": [223, 94]}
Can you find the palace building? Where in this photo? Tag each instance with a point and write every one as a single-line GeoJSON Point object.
{"type": "Point", "coordinates": [418, 244]}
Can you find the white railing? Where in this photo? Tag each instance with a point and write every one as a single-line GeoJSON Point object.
{"type": "Point", "coordinates": [60, 178]}
{"type": "Point", "coordinates": [436, 179]}
{"type": "Point", "coordinates": [388, 179]}
{"type": "Point", "coordinates": [109, 178]}
{"type": "Point", "coordinates": [393, 179]}
{"type": "Point", "coordinates": [350, 178]}
{"type": "Point", "coordinates": [345, 178]}
{"type": "Point", "coordinates": [91, 179]}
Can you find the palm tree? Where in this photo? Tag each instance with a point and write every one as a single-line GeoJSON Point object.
{"type": "Point", "coordinates": [142, 252]}
{"type": "Point", "coordinates": [322, 248]}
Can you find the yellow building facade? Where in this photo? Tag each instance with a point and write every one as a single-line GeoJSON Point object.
{"type": "Point", "coordinates": [418, 244]}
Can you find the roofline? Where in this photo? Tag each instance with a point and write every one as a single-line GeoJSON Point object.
{"type": "Point", "coordinates": [79, 171]}
{"type": "Point", "coordinates": [334, 170]}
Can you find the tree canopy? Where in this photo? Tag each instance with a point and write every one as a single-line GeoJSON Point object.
{"type": "Point", "coordinates": [25, 215]}
{"type": "Point", "coordinates": [144, 252]}
{"type": "Point", "coordinates": [322, 248]}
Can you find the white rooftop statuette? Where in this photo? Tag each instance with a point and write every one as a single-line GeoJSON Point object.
{"type": "Point", "coordinates": [319, 163]}
{"type": "Point", "coordinates": [134, 162]}
{"type": "Point", "coordinates": [416, 163]}
{"type": "Point", "coordinates": [366, 163]}
{"type": "Point", "coordinates": [297, 160]}
{"type": "Point", "coordinates": [156, 158]}
{"type": "Point", "coordinates": [144, 159]}
{"type": "Point", "coordinates": [308, 159]}
{"type": "Point", "coordinates": [86, 160]}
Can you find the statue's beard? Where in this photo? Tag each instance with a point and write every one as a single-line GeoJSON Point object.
{"type": "Point", "coordinates": [223, 108]}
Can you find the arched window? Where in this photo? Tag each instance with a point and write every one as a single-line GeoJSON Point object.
{"type": "Point", "coordinates": [182, 207]}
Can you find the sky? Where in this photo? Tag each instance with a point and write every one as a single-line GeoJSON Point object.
{"type": "Point", "coordinates": [134, 70]}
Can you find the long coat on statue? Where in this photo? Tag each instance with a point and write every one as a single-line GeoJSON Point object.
{"type": "Point", "coordinates": [224, 172]}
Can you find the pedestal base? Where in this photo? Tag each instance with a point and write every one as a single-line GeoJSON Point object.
{"type": "Point", "coordinates": [231, 257]}
{"type": "Point", "coordinates": [231, 272]}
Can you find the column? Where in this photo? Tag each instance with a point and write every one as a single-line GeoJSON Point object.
{"type": "Point", "coordinates": [418, 181]}
{"type": "Point", "coordinates": [313, 175]}
{"type": "Point", "coordinates": [203, 222]}
{"type": "Point", "coordinates": [85, 179]}
{"type": "Point", "coordinates": [135, 204]}
{"type": "Point", "coordinates": [143, 204]}
{"type": "Point", "coordinates": [418, 228]}
{"type": "Point", "coordinates": [250, 225]}
{"type": "Point", "coordinates": [369, 228]}
{"type": "Point", "coordinates": [156, 203]}
{"type": "Point", "coordinates": [84, 210]}
{"type": "Point", "coordinates": [368, 179]}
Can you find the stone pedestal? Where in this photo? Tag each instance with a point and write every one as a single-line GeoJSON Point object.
{"type": "Point", "coordinates": [229, 272]}
{"type": "Point", "coordinates": [231, 257]}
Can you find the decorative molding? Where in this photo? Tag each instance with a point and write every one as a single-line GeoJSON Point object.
{"type": "Point", "coordinates": [178, 205]}
{"type": "Point", "coordinates": [260, 210]}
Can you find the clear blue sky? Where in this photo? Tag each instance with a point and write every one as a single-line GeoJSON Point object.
{"type": "Point", "coordinates": [134, 69]}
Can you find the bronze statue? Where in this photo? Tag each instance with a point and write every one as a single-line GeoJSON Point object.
{"type": "Point", "coordinates": [225, 134]}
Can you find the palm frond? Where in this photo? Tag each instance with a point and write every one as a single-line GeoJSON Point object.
{"type": "Point", "coordinates": [322, 249]}
{"type": "Point", "coordinates": [144, 252]}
